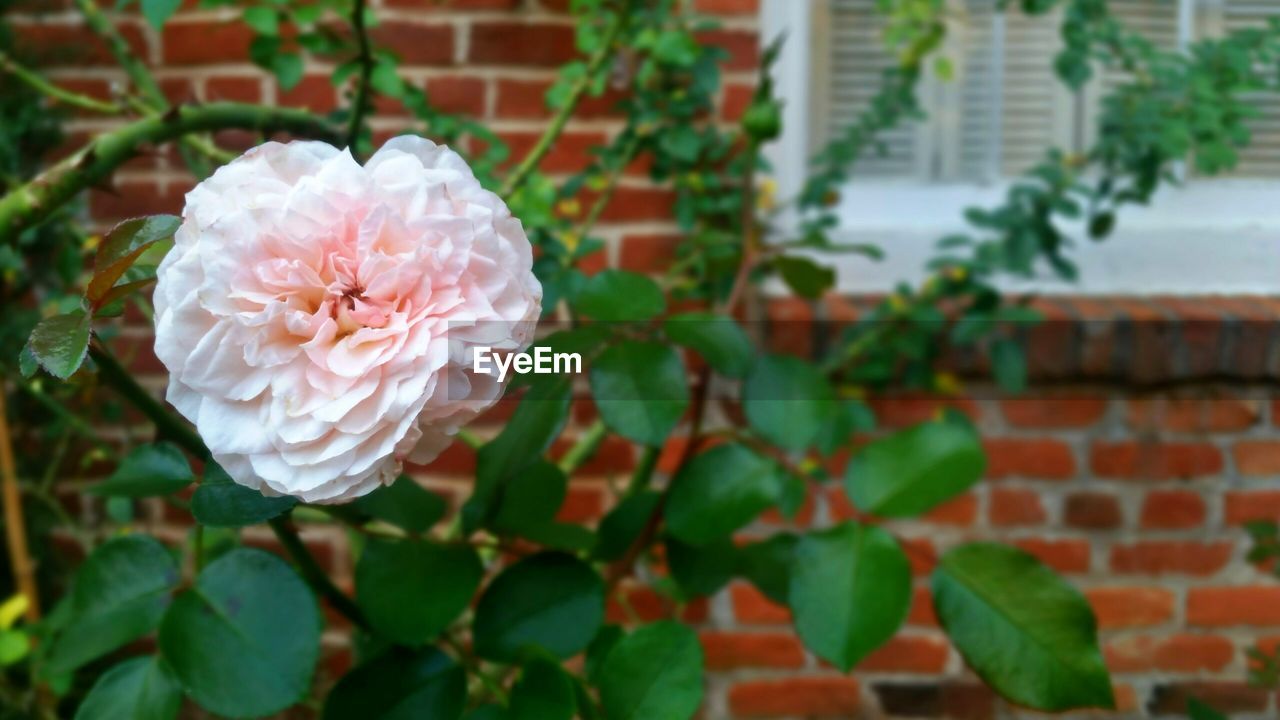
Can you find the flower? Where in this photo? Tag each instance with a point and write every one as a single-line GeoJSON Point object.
{"type": "Point", "coordinates": [318, 318]}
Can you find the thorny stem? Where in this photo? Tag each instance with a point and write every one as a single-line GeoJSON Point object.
{"type": "Point", "coordinates": [133, 67]}
{"type": "Point", "coordinates": [364, 56]}
{"type": "Point", "coordinates": [584, 448]}
{"type": "Point", "coordinates": [602, 55]}
{"type": "Point", "coordinates": [53, 92]}
{"type": "Point", "coordinates": [31, 203]}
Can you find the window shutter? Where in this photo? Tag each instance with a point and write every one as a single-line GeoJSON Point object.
{"type": "Point", "coordinates": [1013, 107]}
{"type": "Point", "coordinates": [856, 60]}
{"type": "Point", "coordinates": [1262, 156]}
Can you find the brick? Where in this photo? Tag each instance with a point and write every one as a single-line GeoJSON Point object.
{"type": "Point", "coordinates": [1243, 507]}
{"type": "Point", "coordinates": [1157, 557]}
{"type": "Point", "coordinates": [1172, 510]}
{"type": "Point", "coordinates": [1257, 457]}
{"type": "Point", "coordinates": [1053, 413]}
{"type": "Point", "coordinates": [1176, 653]}
{"type": "Point", "coordinates": [91, 87]}
{"type": "Point", "coordinates": [903, 410]}
{"type": "Point", "coordinates": [1155, 460]}
{"type": "Point", "coordinates": [233, 89]}
{"type": "Point", "coordinates": [129, 199]}
{"type": "Point", "coordinates": [1225, 697]}
{"type": "Point", "coordinates": [1236, 605]}
{"type": "Point", "coordinates": [416, 43]}
{"type": "Point", "coordinates": [460, 95]}
{"type": "Point", "coordinates": [1092, 511]}
{"type": "Point", "coordinates": [614, 456]}
{"type": "Point", "coordinates": [804, 696]}
{"type": "Point", "coordinates": [1014, 507]}
{"type": "Point", "coordinates": [1193, 414]}
{"type": "Point", "coordinates": [649, 606]}
{"type": "Point", "coordinates": [314, 92]}
{"type": "Point", "coordinates": [1034, 459]}
{"type": "Point", "coordinates": [743, 47]}
{"type": "Point", "coordinates": [632, 204]}
{"type": "Point", "coordinates": [581, 504]}
{"type": "Point", "coordinates": [205, 43]}
{"type": "Point", "coordinates": [570, 153]}
{"type": "Point", "coordinates": [519, 98]}
{"type": "Point", "coordinates": [727, 7]}
{"type": "Point", "coordinates": [1065, 556]}
{"type": "Point", "coordinates": [958, 701]}
{"type": "Point", "coordinates": [921, 612]}
{"type": "Point", "coordinates": [737, 98]}
{"type": "Point", "coordinates": [751, 607]}
{"type": "Point", "coordinates": [907, 654]}
{"type": "Point", "coordinates": [649, 253]}
{"type": "Point", "coordinates": [1126, 607]}
{"type": "Point", "coordinates": [50, 45]}
{"type": "Point", "coordinates": [452, 5]}
{"type": "Point", "coordinates": [524, 44]}
{"type": "Point", "coordinates": [962, 511]}
{"type": "Point", "coordinates": [724, 650]}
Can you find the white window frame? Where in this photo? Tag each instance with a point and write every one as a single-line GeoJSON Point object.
{"type": "Point", "coordinates": [1210, 236]}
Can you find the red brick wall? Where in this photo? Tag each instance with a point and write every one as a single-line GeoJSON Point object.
{"type": "Point", "coordinates": [1134, 489]}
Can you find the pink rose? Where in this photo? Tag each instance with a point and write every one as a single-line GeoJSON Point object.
{"type": "Point", "coordinates": [318, 318]}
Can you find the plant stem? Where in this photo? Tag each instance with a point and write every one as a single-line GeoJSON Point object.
{"type": "Point", "coordinates": [597, 61]}
{"type": "Point", "coordinates": [311, 571]}
{"type": "Point", "coordinates": [55, 93]}
{"type": "Point", "coordinates": [175, 429]}
{"type": "Point", "coordinates": [24, 572]}
{"type": "Point", "coordinates": [133, 67]}
{"type": "Point", "coordinates": [364, 57]}
{"type": "Point", "coordinates": [27, 205]}
{"type": "Point", "coordinates": [584, 448]}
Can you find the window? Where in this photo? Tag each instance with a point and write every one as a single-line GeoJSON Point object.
{"type": "Point", "coordinates": [992, 120]}
{"type": "Point", "coordinates": [1004, 105]}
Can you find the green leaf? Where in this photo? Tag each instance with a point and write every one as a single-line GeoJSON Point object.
{"type": "Point", "coordinates": [767, 564]}
{"type": "Point", "coordinates": [158, 469]}
{"type": "Point", "coordinates": [219, 501]}
{"type": "Point", "coordinates": [845, 419]}
{"type": "Point", "coordinates": [120, 594]}
{"type": "Point", "coordinates": [718, 339]}
{"type": "Point", "coordinates": [411, 590]}
{"type": "Point", "coordinates": [536, 422]}
{"type": "Point", "coordinates": [914, 470]}
{"type": "Point", "coordinates": [126, 242]}
{"type": "Point", "coordinates": [805, 277]}
{"type": "Point", "coordinates": [245, 639]}
{"type": "Point", "coordinates": [543, 692]}
{"type": "Point", "coordinates": [262, 19]}
{"type": "Point", "coordinates": [287, 67]}
{"type": "Point", "coordinates": [701, 570]}
{"type": "Point", "coordinates": [850, 591]}
{"type": "Point", "coordinates": [655, 673]}
{"type": "Point", "coordinates": [158, 11]}
{"type": "Point", "coordinates": [405, 504]}
{"type": "Point", "coordinates": [141, 688]}
{"type": "Point", "coordinates": [550, 601]}
{"type": "Point", "coordinates": [1026, 632]}
{"type": "Point", "coordinates": [531, 499]}
{"type": "Point", "coordinates": [640, 389]}
{"type": "Point", "coordinates": [623, 524]}
{"type": "Point", "coordinates": [401, 684]}
{"type": "Point", "coordinates": [720, 491]}
{"type": "Point", "coordinates": [1197, 710]}
{"type": "Point", "coordinates": [14, 646]}
{"type": "Point", "coordinates": [1009, 365]}
{"type": "Point", "coordinates": [620, 295]}
{"type": "Point", "coordinates": [60, 343]}
{"type": "Point", "coordinates": [787, 401]}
